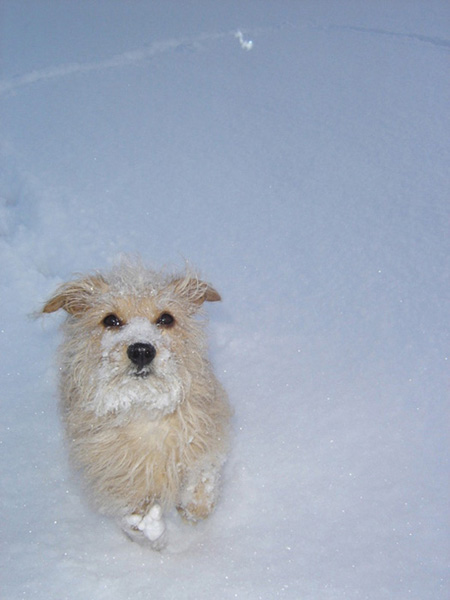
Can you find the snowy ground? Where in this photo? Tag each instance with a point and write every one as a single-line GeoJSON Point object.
{"type": "Point", "coordinates": [307, 178]}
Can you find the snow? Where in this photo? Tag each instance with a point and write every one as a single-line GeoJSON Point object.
{"type": "Point", "coordinates": [307, 179]}
{"type": "Point", "coordinates": [245, 44]}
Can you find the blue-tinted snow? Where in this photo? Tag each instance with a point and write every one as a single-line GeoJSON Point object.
{"type": "Point", "coordinates": [307, 178]}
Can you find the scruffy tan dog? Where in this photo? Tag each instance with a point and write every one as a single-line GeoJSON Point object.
{"type": "Point", "coordinates": [146, 418]}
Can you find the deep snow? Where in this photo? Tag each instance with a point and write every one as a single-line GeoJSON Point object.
{"type": "Point", "coordinates": [307, 178]}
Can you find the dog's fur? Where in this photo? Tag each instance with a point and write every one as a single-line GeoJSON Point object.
{"type": "Point", "coordinates": [145, 435]}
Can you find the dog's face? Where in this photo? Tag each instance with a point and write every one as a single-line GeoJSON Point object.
{"type": "Point", "coordinates": [132, 339]}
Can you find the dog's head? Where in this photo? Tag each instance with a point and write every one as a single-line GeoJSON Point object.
{"type": "Point", "coordinates": [132, 338]}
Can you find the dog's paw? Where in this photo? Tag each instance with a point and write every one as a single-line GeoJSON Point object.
{"type": "Point", "coordinates": [151, 526]}
{"type": "Point", "coordinates": [198, 499]}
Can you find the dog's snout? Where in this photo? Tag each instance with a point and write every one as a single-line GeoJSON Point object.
{"type": "Point", "coordinates": [141, 354]}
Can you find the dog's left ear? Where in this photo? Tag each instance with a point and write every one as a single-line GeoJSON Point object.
{"type": "Point", "coordinates": [75, 297]}
{"type": "Point", "coordinates": [195, 290]}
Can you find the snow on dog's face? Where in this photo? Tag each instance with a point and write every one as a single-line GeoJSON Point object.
{"type": "Point", "coordinates": [132, 339]}
{"type": "Point", "coordinates": [137, 366]}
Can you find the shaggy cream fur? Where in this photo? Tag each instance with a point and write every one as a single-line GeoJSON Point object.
{"type": "Point", "coordinates": [146, 434]}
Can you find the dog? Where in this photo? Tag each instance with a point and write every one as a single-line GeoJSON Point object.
{"type": "Point", "coordinates": [146, 419]}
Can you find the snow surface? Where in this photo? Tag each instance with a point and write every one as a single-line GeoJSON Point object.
{"type": "Point", "coordinates": [307, 178]}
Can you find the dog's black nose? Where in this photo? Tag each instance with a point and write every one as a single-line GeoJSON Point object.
{"type": "Point", "coordinates": [141, 354]}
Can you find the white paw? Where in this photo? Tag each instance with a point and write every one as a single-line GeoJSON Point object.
{"type": "Point", "coordinates": [152, 526]}
{"type": "Point", "coordinates": [132, 521]}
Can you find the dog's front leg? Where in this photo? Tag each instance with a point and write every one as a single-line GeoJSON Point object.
{"type": "Point", "coordinates": [200, 492]}
{"type": "Point", "coordinates": [150, 526]}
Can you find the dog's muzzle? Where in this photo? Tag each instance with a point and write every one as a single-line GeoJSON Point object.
{"type": "Point", "coordinates": [141, 354]}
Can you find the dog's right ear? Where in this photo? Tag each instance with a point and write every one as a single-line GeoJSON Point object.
{"type": "Point", "coordinates": [195, 290]}
{"type": "Point", "coordinates": [76, 296]}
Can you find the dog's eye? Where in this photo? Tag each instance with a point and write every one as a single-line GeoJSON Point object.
{"type": "Point", "coordinates": [112, 321]}
{"type": "Point", "coordinates": [166, 320]}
